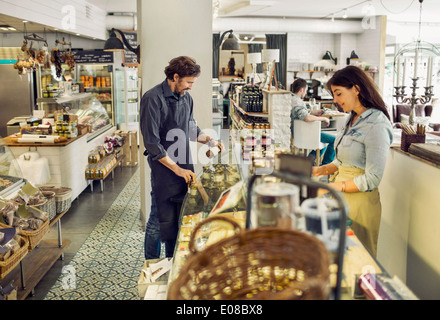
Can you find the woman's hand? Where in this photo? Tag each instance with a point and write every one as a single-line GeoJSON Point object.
{"type": "Point", "coordinates": [318, 171]}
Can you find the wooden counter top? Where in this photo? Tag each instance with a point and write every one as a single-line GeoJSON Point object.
{"type": "Point", "coordinates": [8, 142]}
{"type": "Point", "coordinates": [398, 149]}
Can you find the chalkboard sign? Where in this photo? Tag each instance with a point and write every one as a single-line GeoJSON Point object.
{"type": "Point", "coordinates": [93, 57]}
{"type": "Point", "coordinates": [129, 58]}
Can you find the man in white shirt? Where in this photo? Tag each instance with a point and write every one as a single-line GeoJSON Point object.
{"type": "Point", "coordinates": [301, 112]}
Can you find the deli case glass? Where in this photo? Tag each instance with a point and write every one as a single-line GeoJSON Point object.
{"type": "Point", "coordinates": [126, 99]}
{"type": "Point", "coordinates": [11, 176]}
{"type": "Point", "coordinates": [98, 80]}
{"type": "Point", "coordinates": [90, 113]}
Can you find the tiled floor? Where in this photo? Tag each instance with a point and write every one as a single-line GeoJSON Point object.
{"type": "Point", "coordinates": [106, 249]}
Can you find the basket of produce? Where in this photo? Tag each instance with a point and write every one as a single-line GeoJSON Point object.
{"type": "Point", "coordinates": [41, 199]}
{"type": "Point", "coordinates": [13, 248]}
{"type": "Point", "coordinates": [263, 264]}
{"type": "Point", "coordinates": [63, 197]}
{"type": "Point", "coordinates": [30, 222]}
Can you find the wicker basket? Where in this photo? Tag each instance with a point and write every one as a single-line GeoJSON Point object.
{"type": "Point", "coordinates": [33, 237]}
{"type": "Point", "coordinates": [407, 139]}
{"type": "Point", "coordinates": [14, 259]}
{"type": "Point", "coordinates": [49, 205]}
{"type": "Point", "coordinates": [262, 263]}
{"type": "Point", "coordinates": [63, 197]}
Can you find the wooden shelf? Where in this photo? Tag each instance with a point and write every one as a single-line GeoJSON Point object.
{"type": "Point", "coordinates": [252, 114]}
{"type": "Point", "coordinates": [37, 263]}
{"type": "Point", "coordinates": [311, 72]}
{"type": "Point", "coordinates": [35, 266]}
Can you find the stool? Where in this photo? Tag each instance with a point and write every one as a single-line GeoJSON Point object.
{"type": "Point", "coordinates": [307, 136]}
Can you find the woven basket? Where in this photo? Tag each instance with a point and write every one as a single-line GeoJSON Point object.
{"type": "Point", "coordinates": [35, 236]}
{"type": "Point", "coordinates": [407, 139]}
{"type": "Point", "coordinates": [14, 259]}
{"type": "Point", "coordinates": [63, 197]}
{"type": "Point", "coordinates": [49, 205]}
{"type": "Point", "coordinates": [262, 263]}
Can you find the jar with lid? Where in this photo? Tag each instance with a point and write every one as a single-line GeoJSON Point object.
{"type": "Point", "coordinates": [193, 202]}
{"type": "Point", "coordinates": [219, 184]}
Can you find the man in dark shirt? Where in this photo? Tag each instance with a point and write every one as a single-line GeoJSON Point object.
{"type": "Point", "coordinates": [167, 126]}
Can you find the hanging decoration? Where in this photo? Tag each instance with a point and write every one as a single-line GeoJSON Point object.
{"type": "Point", "coordinates": [417, 53]}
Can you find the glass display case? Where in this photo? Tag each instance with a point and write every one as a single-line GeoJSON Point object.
{"type": "Point", "coordinates": [89, 110]}
{"type": "Point", "coordinates": [98, 80]}
{"type": "Point", "coordinates": [11, 176]}
{"type": "Point", "coordinates": [126, 99]}
{"type": "Point", "coordinates": [219, 190]}
{"type": "Point", "coordinates": [49, 85]}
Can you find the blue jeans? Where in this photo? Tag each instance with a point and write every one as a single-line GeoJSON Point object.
{"type": "Point", "coordinates": [329, 151]}
{"type": "Point", "coordinates": [152, 243]}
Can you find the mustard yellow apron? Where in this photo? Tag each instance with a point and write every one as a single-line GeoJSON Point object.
{"type": "Point", "coordinates": [364, 209]}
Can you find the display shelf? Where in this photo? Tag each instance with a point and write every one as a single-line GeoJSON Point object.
{"type": "Point", "coordinates": [111, 172]}
{"type": "Point", "coordinates": [35, 265]}
{"type": "Point", "coordinates": [326, 72]}
{"type": "Point", "coordinates": [251, 114]}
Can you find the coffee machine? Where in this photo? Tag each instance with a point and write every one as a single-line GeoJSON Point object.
{"type": "Point", "coordinates": [312, 89]}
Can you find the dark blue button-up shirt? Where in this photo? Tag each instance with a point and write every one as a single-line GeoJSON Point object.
{"type": "Point", "coordinates": [167, 124]}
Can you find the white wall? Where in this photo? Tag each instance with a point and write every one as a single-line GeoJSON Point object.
{"type": "Point", "coordinates": [166, 30]}
{"type": "Point", "coordinates": [76, 16]}
{"type": "Point", "coordinates": [16, 40]}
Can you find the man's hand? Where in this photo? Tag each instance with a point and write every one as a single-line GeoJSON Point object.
{"type": "Point", "coordinates": [184, 173]}
{"type": "Point", "coordinates": [213, 143]}
{"type": "Point", "coordinates": [188, 175]}
{"type": "Point", "coordinates": [325, 120]}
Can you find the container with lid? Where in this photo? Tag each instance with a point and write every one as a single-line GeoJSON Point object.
{"type": "Point", "coordinates": [276, 205]}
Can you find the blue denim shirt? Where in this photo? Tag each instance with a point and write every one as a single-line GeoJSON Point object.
{"type": "Point", "coordinates": [365, 145]}
{"type": "Point", "coordinates": [167, 124]}
{"type": "Point", "coordinates": [299, 110]}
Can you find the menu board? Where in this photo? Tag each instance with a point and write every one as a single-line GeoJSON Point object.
{"type": "Point", "coordinates": [129, 58]}
{"type": "Point", "coordinates": [93, 57]}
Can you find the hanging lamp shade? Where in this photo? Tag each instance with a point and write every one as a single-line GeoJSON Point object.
{"type": "Point", "coordinates": [328, 56]}
{"type": "Point", "coordinates": [353, 56]}
{"type": "Point", "coordinates": [269, 55]}
{"type": "Point", "coordinates": [254, 57]}
{"type": "Point", "coordinates": [230, 43]}
{"type": "Point", "coordinates": [113, 43]}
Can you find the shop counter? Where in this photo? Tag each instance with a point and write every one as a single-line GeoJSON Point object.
{"type": "Point", "coordinates": [67, 160]}
{"type": "Point", "coordinates": [356, 260]}
{"type": "Point", "coordinates": [409, 237]}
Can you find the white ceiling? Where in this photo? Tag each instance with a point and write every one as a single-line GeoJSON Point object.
{"type": "Point", "coordinates": [396, 10]}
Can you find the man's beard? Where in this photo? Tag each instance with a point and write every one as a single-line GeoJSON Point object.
{"type": "Point", "coordinates": [182, 92]}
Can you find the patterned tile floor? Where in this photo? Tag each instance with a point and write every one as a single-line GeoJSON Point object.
{"type": "Point", "coordinates": [108, 264]}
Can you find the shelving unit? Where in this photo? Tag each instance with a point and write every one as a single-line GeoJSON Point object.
{"type": "Point", "coordinates": [311, 72]}
{"type": "Point", "coordinates": [38, 262]}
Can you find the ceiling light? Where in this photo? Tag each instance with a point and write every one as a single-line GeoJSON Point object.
{"type": "Point", "coordinates": [345, 15]}
{"type": "Point", "coordinates": [6, 27]}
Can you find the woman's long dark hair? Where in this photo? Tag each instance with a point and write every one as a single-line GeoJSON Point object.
{"type": "Point", "coordinates": [369, 96]}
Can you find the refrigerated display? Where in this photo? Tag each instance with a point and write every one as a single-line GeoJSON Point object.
{"type": "Point", "coordinates": [49, 84]}
{"type": "Point", "coordinates": [17, 96]}
{"type": "Point", "coordinates": [126, 99]}
{"type": "Point", "coordinates": [98, 80]}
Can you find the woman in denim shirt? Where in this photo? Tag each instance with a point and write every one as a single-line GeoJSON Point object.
{"type": "Point", "coordinates": [362, 148]}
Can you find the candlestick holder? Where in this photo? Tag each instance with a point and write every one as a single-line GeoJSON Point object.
{"type": "Point", "coordinates": [413, 100]}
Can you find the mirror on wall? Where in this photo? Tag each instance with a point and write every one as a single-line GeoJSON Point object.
{"type": "Point", "coordinates": [231, 65]}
